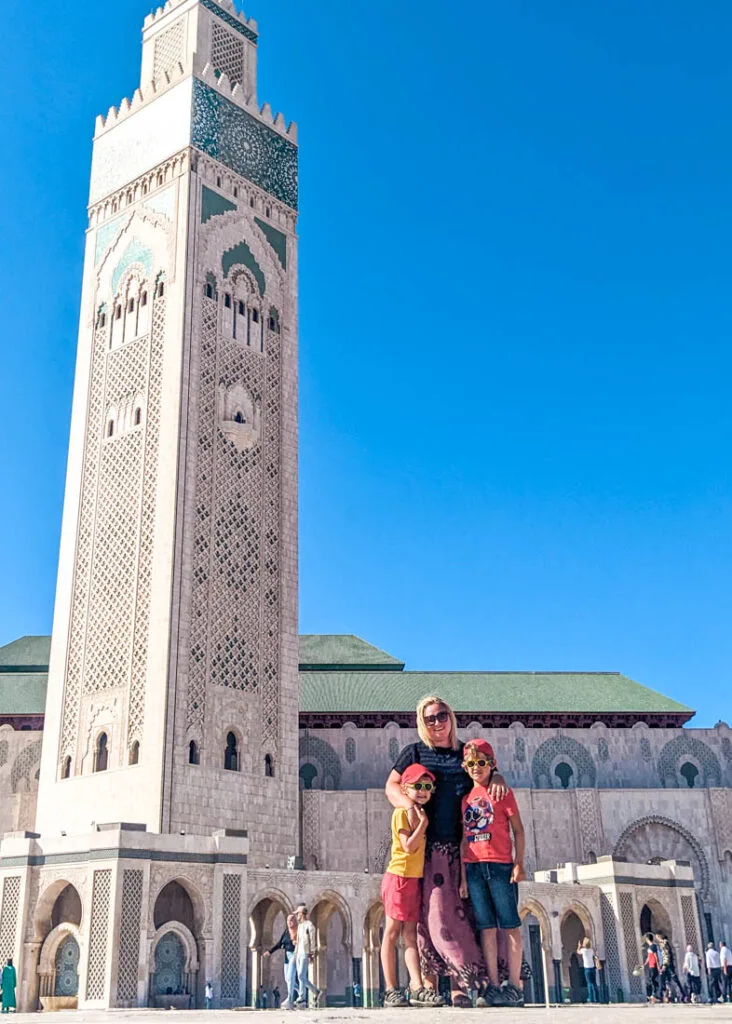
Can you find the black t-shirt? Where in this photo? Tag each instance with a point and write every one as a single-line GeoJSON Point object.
{"type": "Point", "coordinates": [452, 783]}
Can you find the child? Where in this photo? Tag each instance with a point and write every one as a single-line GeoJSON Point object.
{"type": "Point", "coordinates": [489, 871]}
{"type": "Point", "coordinates": [401, 892]}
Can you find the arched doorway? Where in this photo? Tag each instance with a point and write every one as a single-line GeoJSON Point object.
{"type": "Point", "coordinates": [654, 918]}
{"type": "Point", "coordinates": [174, 960]}
{"type": "Point", "coordinates": [532, 938]}
{"type": "Point", "coordinates": [372, 980]}
{"type": "Point", "coordinates": [573, 979]}
{"type": "Point", "coordinates": [333, 971]}
{"type": "Point", "coordinates": [57, 929]}
{"type": "Point", "coordinates": [267, 921]}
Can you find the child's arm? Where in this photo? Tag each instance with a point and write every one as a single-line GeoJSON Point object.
{"type": "Point", "coordinates": [411, 840]}
{"type": "Point", "coordinates": [463, 890]}
{"type": "Point", "coordinates": [519, 840]}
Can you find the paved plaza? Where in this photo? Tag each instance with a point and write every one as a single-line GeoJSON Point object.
{"type": "Point", "coordinates": [575, 1014]}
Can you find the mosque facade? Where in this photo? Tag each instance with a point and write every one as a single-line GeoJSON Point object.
{"type": "Point", "coordinates": [178, 768]}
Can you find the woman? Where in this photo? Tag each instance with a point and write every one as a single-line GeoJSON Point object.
{"type": "Point", "coordinates": [587, 955]}
{"type": "Point", "coordinates": [445, 935]}
{"type": "Point", "coordinates": [287, 943]}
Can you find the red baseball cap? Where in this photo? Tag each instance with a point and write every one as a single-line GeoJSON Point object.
{"type": "Point", "coordinates": [414, 773]}
{"type": "Point", "coordinates": [483, 747]}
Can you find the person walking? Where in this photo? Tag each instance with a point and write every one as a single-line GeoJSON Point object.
{"type": "Point", "coordinates": [208, 995]}
{"type": "Point", "coordinates": [725, 962]}
{"type": "Point", "coordinates": [304, 955]}
{"type": "Point", "coordinates": [8, 982]}
{"type": "Point", "coordinates": [692, 970]}
{"type": "Point", "coordinates": [587, 955]}
{"type": "Point", "coordinates": [714, 970]}
{"type": "Point", "coordinates": [652, 965]}
{"type": "Point", "coordinates": [287, 944]}
{"type": "Point", "coordinates": [445, 937]}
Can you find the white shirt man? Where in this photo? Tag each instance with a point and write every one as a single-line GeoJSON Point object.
{"type": "Point", "coordinates": [725, 956]}
{"type": "Point", "coordinates": [305, 948]}
{"type": "Point", "coordinates": [588, 957]}
{"type": "Point", "coordinates": [691, 963]}
{"type": "Point", "coordinates": [713, 959]}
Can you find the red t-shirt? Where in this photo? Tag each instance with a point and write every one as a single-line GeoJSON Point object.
{"type": "Point", "coordinates": [486, 830]}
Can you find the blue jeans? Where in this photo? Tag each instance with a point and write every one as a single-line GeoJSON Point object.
{"type": "Point", "coordinates": [291, 978]}
{"type": "Point", "coordinates": [593, 995]}
{"type": "Point", "coordinates": [304, 983]}
{"type": "Point", "coordinates": [493, 895]}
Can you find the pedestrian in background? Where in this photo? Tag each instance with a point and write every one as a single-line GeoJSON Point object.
{"type": "Point", "coordinates": [714, 969]}
{"type": "Point", "coordinates": [725, 962]}
{"type": "Point", "coordinates": [587, 955]}
{"type": "Point", "coordinates": [209, 995]}
{"type": "Point", "coordinates": [692, 970]}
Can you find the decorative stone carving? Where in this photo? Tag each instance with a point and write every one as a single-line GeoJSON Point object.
{"type": "Point", "coordinates": [674, 753]}
{"type": "Point", "coordinates": [240, 417]}
{"type": "Point", "coordinates": [658, 838]}
{"type": "Point", "coordinates": [562, 746]}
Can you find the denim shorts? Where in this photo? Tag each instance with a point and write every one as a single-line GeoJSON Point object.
{"type": "Point", "coordinates": [494, 897]}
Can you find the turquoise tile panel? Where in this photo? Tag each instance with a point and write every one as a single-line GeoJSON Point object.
{"type": "Point", "coordinates": [241, 253]}
{"type": "Point", "coordinates": [135, 252]}
{"type": "Point", "coordinates": [162, 203]}
{"type": "Point", "coordinates": [229, 19]}
{"type": "Point", "coordinates": [232, 136]}
{"type": "Point", "coordinates": [213, 205]}
{"type": "Point", "coordinates": [106, 234]}
{"type": "Point", "coordinates": [276, 239]}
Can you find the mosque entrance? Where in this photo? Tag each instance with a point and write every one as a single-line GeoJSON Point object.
{"type": "Point", "coordinates": [573, 931]}
{"type": "Point", "coordinates": [654, 919]}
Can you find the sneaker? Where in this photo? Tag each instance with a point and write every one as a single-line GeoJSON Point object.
{"type": "Point", "coordinates": [425, 997]}
{"type": "Point", "coordinates": [494, 996]}
{"type": "Point", "coordinates": [512, 995]}
{"type": "Point", "coordinates": [395, 997]}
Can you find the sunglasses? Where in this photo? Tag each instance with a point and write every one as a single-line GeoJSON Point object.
{"type": "Point", "coordinates": [480, 763]}
{"type": "Point", "coordinates": [426, 786]}
{"type": "Point", "coordinates": [441, 716]}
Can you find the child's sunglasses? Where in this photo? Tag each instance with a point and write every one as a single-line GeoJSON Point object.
{"type": "Point", "coordinates": [441, 716]}
{"type": "Point", "coordinates": [426, 786]}
{"type": "Point", "coordinates": [480, 763]}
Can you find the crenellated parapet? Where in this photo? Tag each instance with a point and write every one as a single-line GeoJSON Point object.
{"type": "Point", "coordinates": [223, 8]}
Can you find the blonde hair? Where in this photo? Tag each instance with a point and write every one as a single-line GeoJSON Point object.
{"type": "Point", "coordinates": [424, 733]}
{"type": "Point", "coordinates": [586, 942]}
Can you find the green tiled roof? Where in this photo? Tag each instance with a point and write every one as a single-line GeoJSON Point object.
{"type": "Point", "coordinates": [331, 652]}
{"type": "Point", "coordinates": [28, 650]}
{"type": "Point", "coordinates": [23, 693]}
{"type": "Point", "coordinates": [483, 692]}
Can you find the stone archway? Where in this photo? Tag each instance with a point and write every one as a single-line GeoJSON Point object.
{"type": "Point", "coordinates": [58, 968]}
{"type": "Point", "coordinates": [655, 838]}
{"type": "Point", "coordinates": [655, 918]}
{"type": "Point", "coordinates": [372, 981]}
{"type": "Point", "coordinates": [178, 908]}
{"type": "Point", "coordinates": [572, 931]}
{"type": "Point", "coordinates": [173, 967]}
{"type": "Point", "coordinates": [267, 920]}
{"type": "Point", "coordinates": [536, 936]}
{"type": "Point", "coordinates": [333, 961]}
{"type": "Point", "coordinates": [58, 912]}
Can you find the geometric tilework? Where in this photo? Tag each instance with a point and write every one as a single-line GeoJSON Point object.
{"type": "Point", "coordinates": [687, 746]}
{"type": "Point", "coordinates": [687, 912]}
{"type": "Point", "coordinates": [213, 204]}
{"type": "Point", "coordinates": [276, 239]}
{"type": "Point", "coordinates": [129, 937]}
{"type": "Point", "coordinates": [232, 136]}
{"type": "Point", "coordinates": [225, 16]}
{"type": "Point", "coordinates": [9, 916]}
{"type": "Point", "coordinates": [26, 760]}
{"type": "Point", "coordinates": [562, 746]}
{"type": "Point", "coordinates": [231, 936]}
{"type": "Point", "coordinates": [97, 968]}
{"type": "Point", "coordinates": [242, 254]}
{"type": "Point", "coordinates": [135, 252]}
{"type": "Point", "coordinates": [656, 836]}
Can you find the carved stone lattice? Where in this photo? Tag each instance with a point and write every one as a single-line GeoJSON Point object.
{"type": "Point", "coordinates": [590, 822]}
{"type": "Point", "coordinates": [393, 749]}
{"type": "Point", "coordinates": [129, 937]}
{"type": "Point", "coordinates": [97, 968]}
{"type": "Point", "coordinates": [721, 807]}
{"type": "Point", "coordinates": [22, 770]}
{"type": "Point", "coordinates": [645, 747]}
{"type": "Point", "coordinates": [311, 828]}
{"type": "Point", "coordinates": [227, 53]}
{"type": "Point", "coordinates": [231, 937]}
{"type": "Point", "coordinates": [691, 936]}
{"type": "Point", "coordinates": [562, 746]}
{"type": "Point", "coordinates": [4, 750]}
{"type": "Point", "coordinates": [168, 49]}
{"type": "Point", "coordinates": [136, 710]}
{"type": "Point", "coordinates": [322, 756]}
{"type": "Point", "coordinates": [350, 750]}
{"type": "Point", "coordinates": [630, 937]}
{"type": "Point", "coordinates": [9, 916]}
{"type": "Point", "coordinates": [654, 836]}
{"type": "Point", "coordinates": [84, 540]}
{"type": "Point", "coordinates": [612, 955]}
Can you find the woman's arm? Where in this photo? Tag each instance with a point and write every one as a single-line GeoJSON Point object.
{"type": "Point", "coordinates": [497, 787]}
{"type": "Point", "coordinates": [394, 793]}
{"type": "Point", "coordinates": [463, 890]}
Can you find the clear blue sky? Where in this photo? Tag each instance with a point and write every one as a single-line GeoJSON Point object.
{"type": "Point", "coordinates": [515, 321]}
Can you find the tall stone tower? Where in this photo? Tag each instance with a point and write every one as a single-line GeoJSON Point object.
{"type": "Point", "coordinates": [172, 698]}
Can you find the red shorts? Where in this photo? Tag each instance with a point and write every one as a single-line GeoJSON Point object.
{"type": "Point", "coordinates": [402, 897]}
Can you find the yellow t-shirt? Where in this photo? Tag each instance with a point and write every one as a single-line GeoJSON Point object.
{"type": "Point", "coordinates": [406, 865]}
